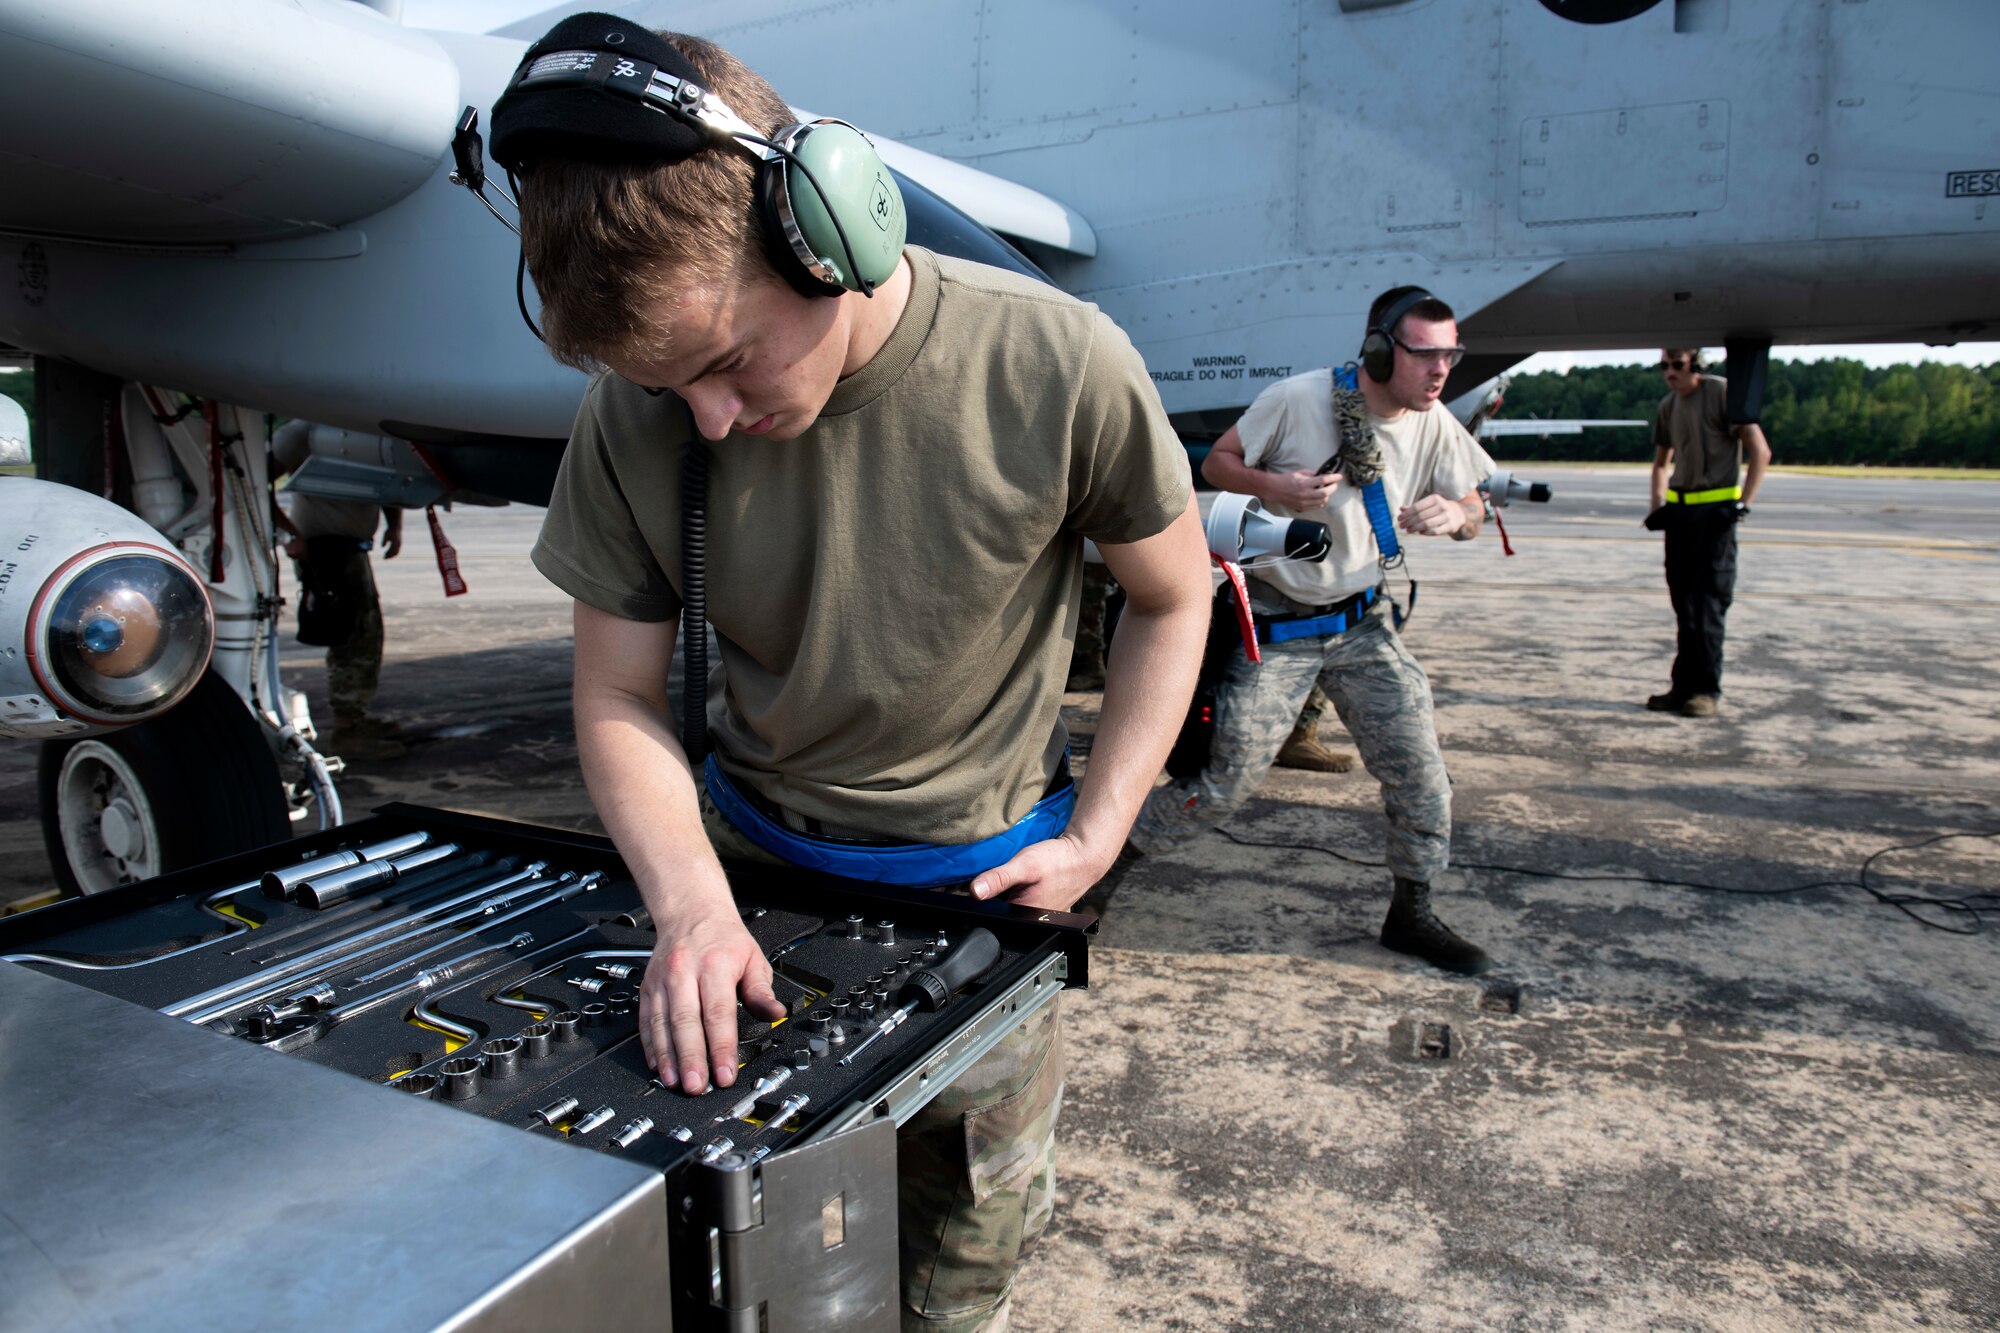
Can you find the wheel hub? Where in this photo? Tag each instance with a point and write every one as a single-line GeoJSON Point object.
{"type": "Point", "coordinates": [105, 818]}
{"type": "Point", "coordinates": [124, 836]}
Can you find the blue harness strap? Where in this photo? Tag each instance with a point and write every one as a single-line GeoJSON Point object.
{"type": "Point", "coordinates": [1280, 631]}
{"type": "Point", "coordinates": [1375, 501]}
{"type": "Point", "coordinates": [919, 865]}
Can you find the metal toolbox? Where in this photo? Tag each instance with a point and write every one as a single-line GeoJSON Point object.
{"type": "Point", "coordinates": [236, 1096]}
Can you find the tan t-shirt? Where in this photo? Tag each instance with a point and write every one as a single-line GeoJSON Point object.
{"type": "Point", "coordinates": [896, 590]}
{"type": "Point", "coordinates": [1289, 428]}
{"type": "Point", "coordinates": [1696, 428]}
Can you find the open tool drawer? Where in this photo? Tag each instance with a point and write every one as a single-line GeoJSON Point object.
{"type": "Point", "coordinates": [465, 964]}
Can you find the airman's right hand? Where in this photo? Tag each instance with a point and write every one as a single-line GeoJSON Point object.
{"type": "Point", "coordinates": [1302, 492]}
{"type": "Point", "coordinates": [687, 1001]}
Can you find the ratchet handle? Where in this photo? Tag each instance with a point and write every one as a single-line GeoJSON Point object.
{"type": "Point", "coordinates": [931, 987]}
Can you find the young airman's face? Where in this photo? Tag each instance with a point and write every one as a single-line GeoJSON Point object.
{"type": "Point", "coordinates": [751, 356]}
{"type": "Point", "coordinates": [1682, 374]}
{"type": "Point", "coordinates": [1425, 351]}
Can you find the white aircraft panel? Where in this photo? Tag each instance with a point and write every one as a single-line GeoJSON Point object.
{"type": "Point", "coordinates": [1632, 163]}
{"type": "Point", "coordinates": [1149, 223]}
{"type": "Point", "coordinates": [1906, 86]}
{"type": "Point", "coordinates": [904, 68]}
{"type": "Point", "coordinates": [1377, 168]}
{"type": "Point", "coordinates": [1760, 61]}
{"type": "Point", "coordinates": [1214, 341]}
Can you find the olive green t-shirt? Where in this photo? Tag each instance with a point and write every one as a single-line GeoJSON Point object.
{"type": "Point", "coordinates": [895, 591]}
{"type": "Point", "coordinates": [1696, 428]}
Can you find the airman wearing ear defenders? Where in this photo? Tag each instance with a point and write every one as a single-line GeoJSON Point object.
{"type": "Point", "coordinates": [1330, 622]}
{"type": "Point", "coordinates": [1714, 469]}
{"type": "Point", "coordinates": [904, 458]}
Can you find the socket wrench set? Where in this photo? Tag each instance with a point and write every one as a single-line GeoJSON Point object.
{"type": "Point", "coordinates": [494, 968]}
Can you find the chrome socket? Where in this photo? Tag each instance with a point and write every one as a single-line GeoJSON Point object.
{"type": "Point", "coordinates": [632, 1131]}
{"type": "Point", "coordinates": [857, 928]}
{"type": "Point", "coordinates": [885, 933]}
{"type": "Point", "coordinates": [638, 918]}
{"type": "Point", "coordinates": [589, 985]}
{"type": "Point", "coordinates": [621, 971]}
{"type": "Point", "coordinates": [337, 886]}
{"type": "Point", "coordinates": [788, 1108]}
{"type": "Point", "coordinates": [418, 1085]}
{"type": "Point", "coordinates": [503, 1057]}
{"type": "Point", "coordinates": [535, 1039]}
{"type": "Point", "coordinates": [595, 1013]}
{"type": "Point", "coordinates": [818, 1021]}
{"type": "Point", "coordinates": [596, 1119]}
{"type": "Point", "coordinates": [461, 1078]}
{"type": "Point", "coordinates": [801, 1057]}
{"type": "Point", "coordinates": [560, 1109]}
{"type": "Point", "coordinates": [621, 1001]}
{"type": "Point", "coordinates": [565, 1024]}
{"type": "Point", "coordinates": [282, 883]}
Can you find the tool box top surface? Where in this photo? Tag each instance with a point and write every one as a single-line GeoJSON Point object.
{"type": "Point", "coordinates": [159, 1177]}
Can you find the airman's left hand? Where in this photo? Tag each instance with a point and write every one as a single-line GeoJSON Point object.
{"type": "Point", "coordinates": [1432, 516]}
{"type": "Point", "coordinates": [1051, 874]}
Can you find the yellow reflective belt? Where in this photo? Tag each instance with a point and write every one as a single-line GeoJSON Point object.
{"type": "Point", "coordinates": [1704, 497]}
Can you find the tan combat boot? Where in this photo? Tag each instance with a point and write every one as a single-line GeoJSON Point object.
{"type": "Point", "coordinates": [1302, 749]}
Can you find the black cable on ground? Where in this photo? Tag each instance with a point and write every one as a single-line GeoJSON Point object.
{"type": "Point", "coordinates": [1971, 908]}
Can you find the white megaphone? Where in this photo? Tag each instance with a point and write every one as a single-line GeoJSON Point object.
{"type": "Point", "coordinates": [1239, 530]}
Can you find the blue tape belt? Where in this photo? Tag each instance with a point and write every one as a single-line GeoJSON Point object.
{"type": "Point", "coordinates": [1279, 631]}
{"type": "Point", "coordinates": [919, 865]}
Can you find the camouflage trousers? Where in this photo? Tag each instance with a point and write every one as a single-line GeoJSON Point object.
{"type": "Point", "coordinates": [975, 1168]}
{"type": "Point", "coordinates": [1382, 696]}
{"type": "Point", "coordinates": [1087, 656]}
{"type": "Point", "coordinates": [354, 668]}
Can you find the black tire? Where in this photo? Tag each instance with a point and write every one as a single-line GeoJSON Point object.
{"type": "Point", "coordinates": [207, 786]}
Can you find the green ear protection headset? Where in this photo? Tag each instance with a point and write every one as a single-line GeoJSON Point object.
{"type": "Point", "coordinates": [1378, 348]}
{"type": "Point", "coordinates": [833, 218]}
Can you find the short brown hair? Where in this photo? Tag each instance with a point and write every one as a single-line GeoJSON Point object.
{"type": "Point", "coordinates": [607, 240]}
{"type": "Point", "coordinates": [1693, 354]}
{"type": "Point", "coordinates": [1429, 308]}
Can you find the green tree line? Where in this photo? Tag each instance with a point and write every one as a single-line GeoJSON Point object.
{"type": "Point", "coordinates": [1835, 411]}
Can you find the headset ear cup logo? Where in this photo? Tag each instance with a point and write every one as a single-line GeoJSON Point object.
{"type": "Point", "coordinates": [880, 206]}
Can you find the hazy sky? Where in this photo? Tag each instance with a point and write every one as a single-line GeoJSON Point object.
{"type": "Point", "coordinates": [485, 15]}
{"type": "Point", "coordinates": [1873, 354]}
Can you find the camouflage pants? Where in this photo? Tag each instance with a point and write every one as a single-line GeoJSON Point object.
{"type": "Point", "coordinates": [1088, 654]}
{"type": "Point", "coordinates": [354, 668]}
{"type": "Point", "coordinates": [1384, 699]}
{"type": "Point", "coordinates": [1317, 706]}
{"type": "Point", "coordinates": [975, 1167]}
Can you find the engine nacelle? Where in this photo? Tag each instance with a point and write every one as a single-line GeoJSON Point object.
{"type": "Point", "coordinates": [102, 623]}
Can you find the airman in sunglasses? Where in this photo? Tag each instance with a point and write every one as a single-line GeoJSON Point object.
{"type": "Point", "coordinates": [1705, 474]}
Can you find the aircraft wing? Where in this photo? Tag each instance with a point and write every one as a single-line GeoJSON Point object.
{"type": "Point", "coordinates": [1492, 427]}
{"type": "Point", "coordinates": [149, 121]}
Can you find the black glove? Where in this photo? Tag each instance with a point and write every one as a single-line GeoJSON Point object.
{"type": "Point", "coordinates": [1741, 511]}
{"type": "Point", "coordinates": [1657, 520]}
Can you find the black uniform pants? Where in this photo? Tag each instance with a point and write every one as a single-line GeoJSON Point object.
{"type": "Point", "coordinates": [1701, 579]}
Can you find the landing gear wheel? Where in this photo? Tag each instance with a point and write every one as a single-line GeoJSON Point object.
{"type": "Point", "coordinates": [190, 786]}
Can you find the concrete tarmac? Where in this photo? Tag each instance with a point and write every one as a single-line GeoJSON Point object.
{"type": "Point", "coordinates": [1698, 1096]}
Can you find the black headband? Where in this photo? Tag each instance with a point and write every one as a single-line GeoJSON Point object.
{"type": "Point", "coordinates": [576, 119]}
{"type": "Point", "coordinates": [1400, 307]}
